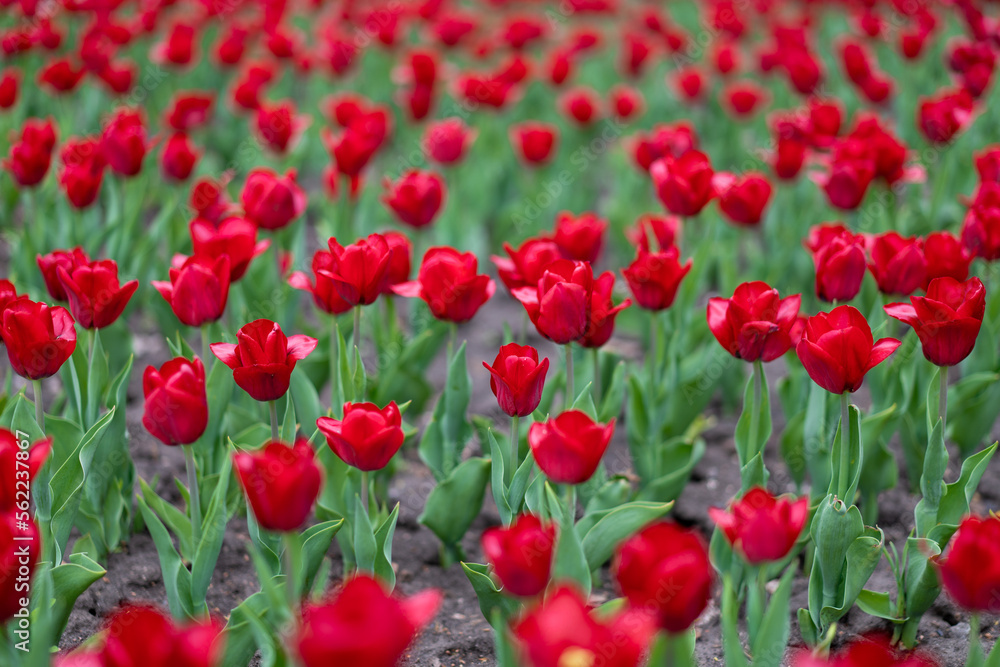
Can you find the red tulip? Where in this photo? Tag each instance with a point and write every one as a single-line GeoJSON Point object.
{"type": "Point", "coordinates": [39, 338]}
{"type": "Point", "coordinates": [198, 289]}
{"type": "Point", "coordinates": [755, 323]}
{"type": "Point", "coordinates": [61, 75]}
{"type": "Point", "coordinates": [124, 143]}
{"type": "Point", "coordinates": [20, 547]}
{"type": "Point", "coordinates": [580, 105]}
{"type": "Point", "coordinates": [415, 197]}
{"type": "Point", "coordinates": [95, 296]}
{"type": "Point", "coordinates": [83, 170]}
{"type": "Point", "coordinates": [362, 625]}
{"type": "Point", "coordinates": [521, 554]}
{"type": "Point", "coordinates": [654, 277]}
{"type": "Point", "coordinates": [361, 270]}
{"type": "Point", "coordinates": [664, 569]}
{"type": "Point", "coordinates": [946, 257]}
{"type": "Point", "coordinates": [367, 437]}
{"type": "Point", "coordinates": [674, 140]}
{"type": "Point", "coordinates": [31, 155]}
{"type": "Point", "coordinates": [864, 652]}
{"type": "Point", "coordinates": [281, 483]}
{"type": "Point", "coordinates": [559, 304]}
{"type": "Point", "coordinates": [743, 98]}
{"type": "Point", "coordinates": [534, 142]}
{"type": "Point", "coordinates": [837, 349]}
{"type": "Point", "coordinates": [249, 86]}
{"type": "Point", "coordinates": [189, 110]}
{"type": "Point", "coordinates": [839, 257]}
{"type": "Point", "coordinates": [981, 228]}
{"type": "Point", "coordinates": [602, 312]}
{"type": "Point", "coordinates": [526, 264]}
{"type": "Point", "coordinates": [263, 358]}
{"type": "Point", "coordinates": [10, 84]}
{"type": "Point", "coordinates": [140, 634]}
{"type": "Point", "coordinates": [354, 148]}
{"type": "Point", "coordinates": [19, 465]}
{"type": "Point", "coordinates": [580, 237]}
{"type": "Point", "coordinates": [742, 198]}
{"type": "Point", "coordinates": [760, 527]}
{"type": "Point", "coordinates": [179, 157]}
{"type": "Point", "coordinates": [788, 158]}
{"type": "Point", "coordinates": [49, 266]}
{"type": "Point", "coordinates": [446, 141]}
{"type": "Point", "coordinates": [870, 141]}
{"type": "Point", "coordinates": [177, 47]}
{"type": "Point", "coordinates": [209, 200]}
{"type": "Point", "coordinates": [663, 231]}
{"type": "Point", "coordinates": [970, 572]}
{"type": "Point", "coordinates": [689, 83]}
{"type": "Point", "coordinates": [400, 253]}
{"type": "Point", "coordinates": [627, 103]}
{"type": "Point", "coordinates": [561, 630]}
{"type": "Point", "coordinates": [897, 263]}
{"type": "Point", "coordinates": [233, 237]}
{"type": "Point", "coordinates": [943, 116]}
{"type": "Point", "coordinates": [323, 289]}
{"type": "Point", "coordinates": [847, 181]}
{"type": "Point", "coordinates": [516, 379]}
{"type": "Point", "coordinates": [988, 164]}
{"type": "Point", "coordinates": [947, 320]}
{"type": "Point", "coordinates": [568, 448]}
{"type": "Point", "coordinates": [449, 284]}
{"type": "Point", "coordinates": [279, 125]}
{"type": "Point", "coordinates": [683, 184]}
{"type": "Point", "coordinates": [272, 201]}
{"type": "Point", "coordinates": [176, 410]}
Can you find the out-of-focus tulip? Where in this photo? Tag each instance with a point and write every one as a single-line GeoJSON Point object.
{"type": "Point", "coordinates": [981, 227]}
{"type": "Point", "coordinates": [761, 527]}
{"type": "Point", "coordinates": [838, 349]}
{"type": "Point", "coordinates": [655, 232]}
{"type": "Point", "coordinates": [580, 105]}
{"type": "Point", "coordinates": [95, 296]}
{"type": "Point", "coordinates": [189, 110]}
{"type": "Point", "coordinates": [446, 141]}
{"type": "Point", "coordinates": [674, 140]}
{"type": "Point", "coordinates": [124, 143]}
{"type": "Point", "coordinates": [580, 237]}
{"type": "Point", "coordinates": [31, 155]}
{"type": "Point", "coordinates": [898, 264]}
{"type": "Point", "coordinates": [278, 125]}
{"type": "Point", "coordinates": [534, 142]}
{"type": "Point", "coordinates": [262, 359]}
{"type": "Point", "coordinates": [10, 85]}
{"type": "Point", "coordinates": [755, 323]}
{"type": "Point", "coordinates": [176, 409]}
{"type": "Point", "coordinates": [626, 103]}
{"type": "Point", "coordinates": [946, 257]}
{"type": "Point", "coordinates": [839, 257]}
{"type": "Point", "coordinates": [449, 284]}
{"type": "Point", "coordinates": [20, 547]}
{"type": "Point", "coordinates": [179, 157]}
{"type": "Point", "coordinates": [742, 198]}
{"type": "Point", "coordinates": [415, 197]}
{"type": "Point", "coordinates": [234, 237]}
{"type": "Point", "coordinates": [664, 557]}
{"type": "Point", "coordinates": [198, 289]}
{"type": "Point", "coordinates": [281, 483]}
{"type": "Point", "coordinates": [49, 266]}
{"type": "Point", "coordinates": [568, 448]}
{"type": "Point", "coordinates": [525, 265]}
{"type": "Point", "coordinates": [83, 170]}
{"type": "Point", "coordinates": [601, 322]}
{"type": "Point", "coordinates": [143, 635]}
{"type": "Point", "coordinates": [943, 116]}
{"type": "Point", "coordinates": [517, 379]}
{"type": "Point", "coordinates": [654, 277]}
{"type": "Point", "coordinates": [743, 98]}
{"type": "Point", "coordinates": [947, 320]}
{"type": "Point", "coordinates": [367, 437]}
{"type": "Point", "coordinates": [400, 259]}
{"type": "Point", "coordinates": [521, 554]}
{"type": "Point", "coordinates": [970, 571]}
{"type": "Point", "coordinates": [864, 652]}
{"type": "Point", "coordinates": [683, 184]}
{"type": "Point", "coordinates": [272, 201]}
{"type": "Point", "coordinates": [362, 624]}
{"type": "Point", "coordinates": [15, 467]}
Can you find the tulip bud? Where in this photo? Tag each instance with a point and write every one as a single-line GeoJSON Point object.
{"type": "Point", "coordinates": [559, 305]}
{"type": "Point", "coordinates": [416, 197]}
{"type": "Point", "coordinates": [527, 263]}
{"type": "Point", "coordinates": [580, 237]}
{"type": "Point", "coordinates": [521, 554]}
{"type": "Point", "coordinates": [654, 277]}
{"type": "Point", "coordinates": [124, 143]}
{"type": "Point", "coordinates": [683, 184]}
{"type": "Point", "coordinates": [898, 264]}
{"type": "Point", "coordinates": [281, 483]}
{"type": "Point", "coordinates": [760, 527]}
{"type": "Point", "coordinates": [198, 290]}
{"type": "Point", "coordinates": [39, 338]}
{"type": "Point", "coordinates": [517, 379]}
{"type": "Point", "coordinates": [367, 437]}
{"type": "Point", "coordinates": [176, 410]}
{"type": "Point", "coordinates": [272, 201]}
{"type": "Point", "coordinates": [568, 448]}
{"type": "Point", "coordinates": [233, 237]}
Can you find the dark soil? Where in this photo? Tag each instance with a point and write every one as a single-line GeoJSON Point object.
{"type": "Point", "coordinates": [459, 635]}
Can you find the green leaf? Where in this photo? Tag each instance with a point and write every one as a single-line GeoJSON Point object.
{"type": "Point", "coordinates": [497, 465]}
{"type": "Point", "coordinates": [97, 378]}
{"type": "Point", "coordinates": [364, 538]}
{"type": "Point", "coordinates": [731, 646]}
{"type": "Point", "coordinates": [455, 503]}
{"type": "Point", "coordinates": [383, 545]}
{"type": "Point", "coordinates": [213, 531]}
{"type": "Point", "coordinates": [771, 642]}
{"type": "Point", "coordinates": [288, 424]}
{"type": "Point", "coordinates": [315, 543]}
{"type": "Point", "coordinates": [490, 596]}
{"type": "Point", "coordinates": [69, 581]}
{"type": "Point", "coordinates": [585, 402]}
{"type": "Point", "coordinates": [569, 561]}
{"type": "Point", "coordinates": [616, 525]}
{"type": "Point", "coordinates": [878, 604]}
{"type": "Point", "coordinates": [754, 426]}
{"type": "Point", "coordinates": [449, 429]}
{"type": "Point", "coordinates": [306, 402]}
{"type": "Point", "coordinates": [176, 520]}
{"type": "Point", "coordinates": [614, 395]}
{"type": "Point", "coordinates": [176, 577]}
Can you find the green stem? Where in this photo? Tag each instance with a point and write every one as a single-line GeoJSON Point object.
{"type": "Point", "coordinates": [845, 453]}
{"type": "Point", "coordinates": [291, 558]}
{"type": "Point", "coordinates": [943, 399]}
{"type": "Point", "coordinates": [91, 343]}
{"type": "Point", "coordinates": [596, 356]}
{"type": "Point", "coordinates": [452, 339]}
{"type": "Point", "coordinates": [272, 407]}
{"type": "Point", "coordinates": [975, 646]}
{"type": "Point", "coordinates": [515, 451]}
{"type": "Point", "coordinates": [334, 353]}
{"type": "Point", "coordinates": [570, 384]}
{"type": "Point", "coordinates": [194, 504]}
{"type": "Point", "coordinates": [356, 334]}
{"type": "Point", "coordinates": [364, 490]}
{"type": "Point", "coordinates": [654, 362]}
{"type": "Point", "coordinates": [758, 371]}
{"type": "Point", "coordinates": [36, 386]}
{"type": "Point", "coordinates": [756, 596]}
{"type": "Point", "coordinates": [206, 348]}
{"type": "Point", "coordinates": [571, 500]}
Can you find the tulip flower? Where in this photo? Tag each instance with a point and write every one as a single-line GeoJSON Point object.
{"type": "Point", "coordinates": [743, 98]}
{"type": "Point", "coordinates": [864, 652]}
{"type": "Point", "coordinates": [683, 184]}
{"type": "Point", "coordinates": [360, 270]}
{"type": "Point", "coordinates": [234, 237]}
{"type": "Point", "coordinates": [601, 322]}
{"type": "Point", "coordinates": [61, 75]}
{"type": "Point", "coordinates": [367, 437]}
{"type": "Point", "coordinates": [521, 554]}
{"type": "Point", "coordinates": [534, 142]}
{"type": "Point", "coordinates": [689, 82]}
{"type": "Point", "coordinates": [83, 170]}
{"type": "Point", "coordinates": [449, 285]}
{"type": "Point", "coordinates": [176, 409]}
{"type": "Point", "coordinates": [322, 287]}
{"type": "Point", "coordinates": [580, 237]}
{"type": "Point", "coordinates": [755, 323]}
{"type": "Point", "coordinates": [281, 483]}
{"type": "Point", "coordinates": [362, 624]}
{"type": "Point", "coordinates": [664, 140]}
{"type": "Point", "coordinates": [279, 126]}
{"type": "Point", "coordinates": [946, 257]}
{"type": "Point", "coordinates": [415, 198]}
{"type": "Point", "coordinates": [580, 105]}
{"type": "Point", "coordinates": [263, 358]}
{"type": "Point", "coordinates": [39, 338]}
{"type": "Point", "coordinates": [198, 289]}
{"type": "Point", "coordinates": [561, 630]}
{"type": "Point", "coordinates": [655, 232]}
{"type": "Point", "coordinates": [665, 557]}
{"type": "Point", "coordinates": [837, 349]}
{"type": "Point", "coordinates": [189, 110]}
{"type": "Point", "coordinates": [898, 264]}
{"type": "Point", "coordinates": [20, 547]}
{"type": "Point", "coordinates": [31, 155]}
{"type": "Point", "coordinates": [95, 296]}
{"type": "Point", "coordinates": [124, 143]}
{"type": "Point", "coordinates": [988, 164]}
{"type": "Point", "coordinates": [49, 266]}
{"type": "Point", "coordinates": [627, 103]}
{"type": "Point", "coordinates": [568, 448]}
{"type": "Point", "coordinates": [761, 527]}
{"type": "Point", "coordinates": [742, 198]}
{"type": "Point", "coordinates": [981, 228]}
{"type": "Point", "coordinates": [142, 634]}
{"type": "Point", "coordinates": [947, 320]}
{"type": "Point", "coordinates": [847, 181]}
{"type": "Point", "coordinates": [15, 467]}
{"type": "Point", "coordinates": [944, 115]}
{"type": "Point", "coordinates": [271, 201]}
{"type": "Point", "coordinates": [10, 84]}
{"type": "Point", "coordinates": [446, 141]}
{"type": "Point", "coordinates": [788, 158]}
{"type": "Point", "coordinates": [654, 277]}
{"type": "Point", "coordinates": [970, 571]}
{"type": "Point", "coordinates": [524, 266]}
{"type": "Point", "coordinates": [400, 258]}
{"type": "Point", "coordinates": [517, 378]}
{"type": "Point", "coordinates": [839, 257]}
{"type": "Point", "coordinates": [560, 302]}
{"type": "Point", "coordinates": [179, 157]}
